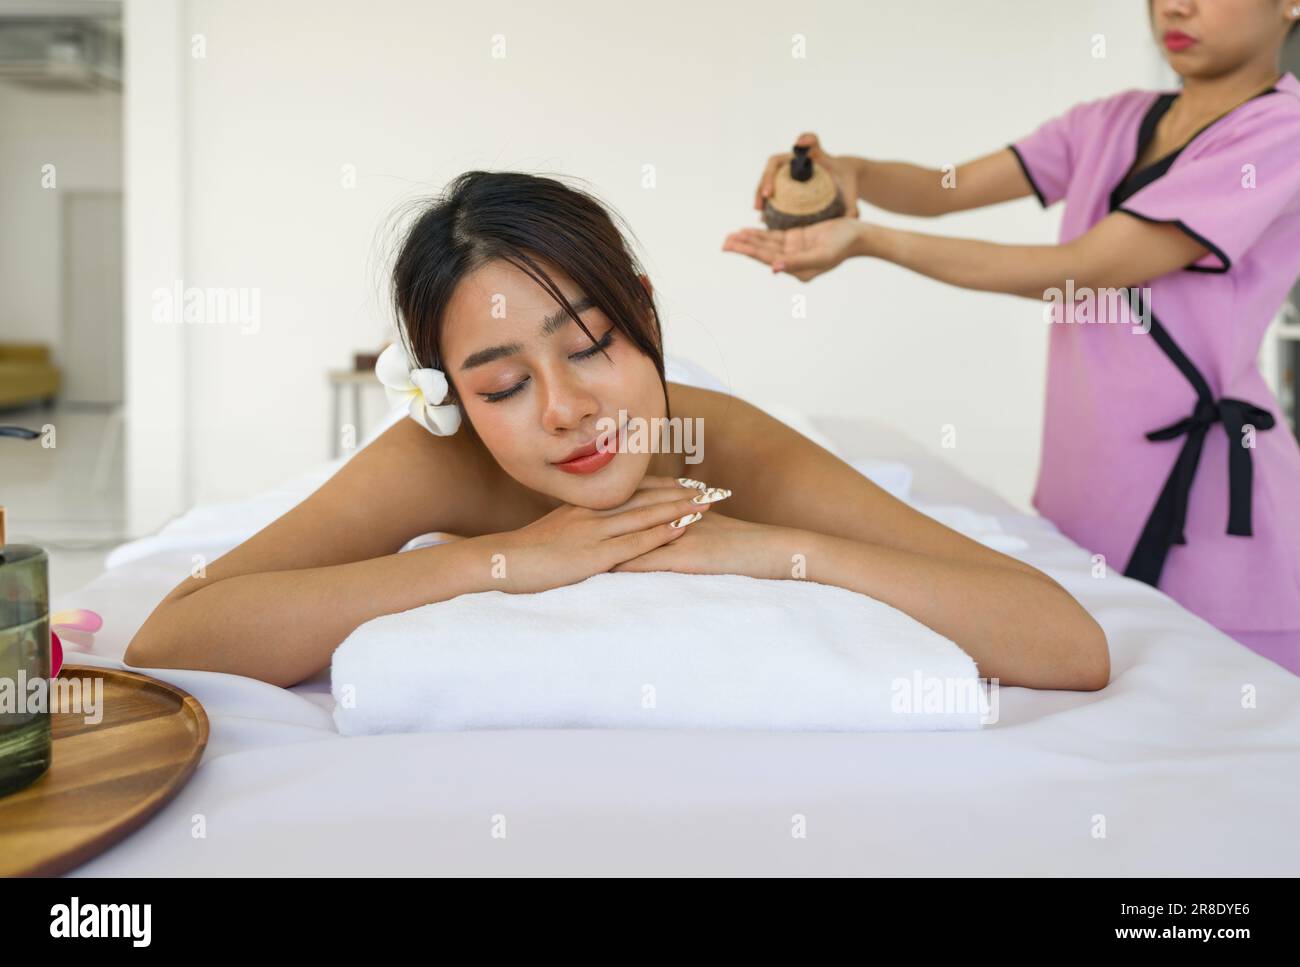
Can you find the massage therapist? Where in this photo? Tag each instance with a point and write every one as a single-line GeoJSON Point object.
{"type": "Point", "coordinates": [1189, 200]}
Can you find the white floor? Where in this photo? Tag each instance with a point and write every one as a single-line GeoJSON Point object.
{"type": "Point", "coordinates": [68, 498]}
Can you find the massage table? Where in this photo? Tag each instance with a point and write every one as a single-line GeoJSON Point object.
{"type": "Point", "coordinates": [1187, 764]}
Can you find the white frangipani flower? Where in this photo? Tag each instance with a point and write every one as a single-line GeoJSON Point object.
{"type": "Point", "coordinates": [424, 388]}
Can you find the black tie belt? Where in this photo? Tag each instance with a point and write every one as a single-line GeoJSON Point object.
{"type": "Point", "coordinates": [1165, 526]}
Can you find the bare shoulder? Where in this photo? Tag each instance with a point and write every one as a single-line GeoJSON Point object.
{"type": "Point", "coordinates": [723, 414]}
{"type": "Point", "coordinates": [687, 400]}
{"type": "Point", "coordinates": [429, 482]}
{"type": "Point", "coordinates": [735, 433]}
{"type": "Point", "coordinates": [405, 483]}
{"type": "Point", "coordinates": [778, 476]}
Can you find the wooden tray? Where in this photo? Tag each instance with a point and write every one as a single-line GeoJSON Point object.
{"type": "Point", "coordinates": [104, 779]}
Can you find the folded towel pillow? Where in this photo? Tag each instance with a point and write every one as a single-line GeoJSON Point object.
{"type": "Point", "coordinates": [655, 650]}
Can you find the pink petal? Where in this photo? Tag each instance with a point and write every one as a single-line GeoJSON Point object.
{"type": "Point", "coordinates": [78, 619]}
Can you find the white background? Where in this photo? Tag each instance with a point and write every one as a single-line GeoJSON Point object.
{"type": "Point", "coordinates": [409, 93]}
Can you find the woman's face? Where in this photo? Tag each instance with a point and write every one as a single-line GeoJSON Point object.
{"type": "Point", "coordinates": [1207, 38]}
{"type": "Point", "coordinates": [537, 389]}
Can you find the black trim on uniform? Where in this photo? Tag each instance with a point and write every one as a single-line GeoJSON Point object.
{"type": "Point", "coordinates": [1165, 524]}
{"type": "Point", "coordinates": [1135, 179]}
{"type": "Point", "coordinates": [1168, 518]}
{"type": "Point", "coordinates": [1217, 252]}
{"type": "Point", "coordinates": [1028, 177]}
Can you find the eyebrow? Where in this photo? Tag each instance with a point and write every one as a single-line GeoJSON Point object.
{"type": "Point", "coordinates": [550, 323]}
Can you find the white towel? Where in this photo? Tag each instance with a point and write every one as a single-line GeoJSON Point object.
{"type": "Point", "coordinates": [655, 650]}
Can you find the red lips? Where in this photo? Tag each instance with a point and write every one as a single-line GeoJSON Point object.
{"type": "Point", "coordinates": [590, 457]}
{"type": "Point", "coordinates": [1176, 40]}
{"type": "Point", "coordinates": [582, 451]}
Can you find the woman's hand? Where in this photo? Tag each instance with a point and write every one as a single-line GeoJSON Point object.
{"type": "Point", "coordinates": [804, 252]}
{"type": "Point", "coordinates": [570, 544]}
{"type": "Point", "coordinates": [843, 169]}
{"type": "Point", "coordinates": [718, 544]}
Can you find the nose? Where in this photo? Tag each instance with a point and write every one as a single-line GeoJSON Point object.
{"type": "Point", "coordinates": [1175, 8]}
{"type": "Point", "coordinates": [566, 403]}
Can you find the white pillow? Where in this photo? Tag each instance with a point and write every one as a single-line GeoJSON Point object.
{"type": "Point", "coordinates": [655, 650]}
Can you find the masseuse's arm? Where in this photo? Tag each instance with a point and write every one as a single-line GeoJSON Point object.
{"type": "Point", "coordinates": [909, 189]}
{"type": "Point", "coordinates": [1120, 250]}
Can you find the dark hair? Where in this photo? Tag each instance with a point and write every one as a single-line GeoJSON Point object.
{"type": "Point", "coordinates": [487, 215]}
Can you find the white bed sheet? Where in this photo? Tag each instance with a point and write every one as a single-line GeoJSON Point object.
{"type": "Point", "coordinates": [1183, 778]}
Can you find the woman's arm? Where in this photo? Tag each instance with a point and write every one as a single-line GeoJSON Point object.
{"type": "Point", "coordinates": [277, 606]}
{"type": "Point", "coordinates": [1119, 251]}
{"type": "Point", "coordinates": [909, 189]}
{"type": "Point", "coordinates": [1018, 624]}
{"type": "Point", "coordinates": [283, 626]}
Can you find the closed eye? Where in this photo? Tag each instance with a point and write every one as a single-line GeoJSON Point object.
{"type": "Point", "coordinates": [504, 394]}
{"type": "Point", "coordinates": [600, 345]}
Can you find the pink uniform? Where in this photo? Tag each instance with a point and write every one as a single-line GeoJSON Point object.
{"type": "Point", "coordinates": [1166, 451]}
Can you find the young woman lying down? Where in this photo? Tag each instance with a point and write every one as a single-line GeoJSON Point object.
{"type": "Point", "coordinates": [525, 294]}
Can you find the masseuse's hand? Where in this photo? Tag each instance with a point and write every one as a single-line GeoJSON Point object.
{"type": "Point", "coordinates": [718, 544]}
{"type": "Point", "coordinates": [804, 252]}
{"type": "Point", "coordinates": [570, 544]}
{"type": "Point", "coordinates": [843, 169]}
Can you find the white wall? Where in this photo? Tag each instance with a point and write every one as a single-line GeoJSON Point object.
{"type": "Point", "coordinates": [80, 134]}
{"type": "Point", "coordinates": [408, 92]}
{"type": "Point", "coordinates": [159, 388]}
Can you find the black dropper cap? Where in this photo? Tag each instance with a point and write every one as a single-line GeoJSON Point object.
{"type": "Point", "coordinates": [801, 166]}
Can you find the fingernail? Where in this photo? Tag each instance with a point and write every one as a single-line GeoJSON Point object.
{"type": "Point", "coordinates": [711, 495]}
{"type": "Point", "coordinates": [688, 482]}
{"type": "Point", "coordinates": [688, 519]}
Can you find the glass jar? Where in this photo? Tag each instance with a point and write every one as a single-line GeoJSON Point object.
{"type": "Point", "coordinates": [25, 741]}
